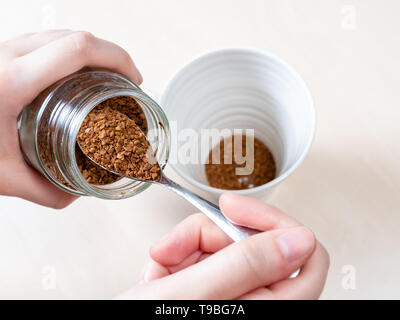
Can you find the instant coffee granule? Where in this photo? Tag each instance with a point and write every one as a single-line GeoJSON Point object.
{"type": "Point", "coordinates": [113, 140]}
{"type": "Point", "coordinates": [92, 172]}
{"type": "Point", "coordinates": [223, 175]}
{"type": "Point", "coordinates": [130, 107]}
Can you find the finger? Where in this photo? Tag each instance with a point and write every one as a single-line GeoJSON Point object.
{"type": "Point", "coordinates": [307, 285]}
{"type": "Point", "coordinates": [26, 43]}
{"type": "Point", "coordinates": [310, 281]}
{"type": "Point", "coordinates": [156, 270]}
{"type": "Point", "coordinates": [19, 179]}
{"type": "Point", "coordinates": [260, 260]}
{"type": "Point", "coordinates": [188, 261]}
{"type": "Point", "coordinates": [196, 232]}
{"type": "Point", "coordinates": [153, 271]}
{"type": "Point", "coordinates": [258, 294]}
{"type": "Point", "coordinates": [22, 181]}
{"type": "Point", "coordinates": [204, 256]}
{"type": "Point", "coordinates": [30, 74]}
{"type": "Point", "coordinates": [254, 213]}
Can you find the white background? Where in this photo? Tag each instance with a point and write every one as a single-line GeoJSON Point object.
{"type": "Point", "coordinates": [347, 190]}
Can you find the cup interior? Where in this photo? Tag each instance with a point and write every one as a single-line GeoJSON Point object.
{"type": "Point", "coordinates": [241, 89]}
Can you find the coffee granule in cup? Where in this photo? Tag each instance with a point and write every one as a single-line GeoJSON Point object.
{"type": "Point", "coordinates": [113, 140]}
{"type": "Point", "coordinates": [92, 172]}
{"type": "Point", "coordinates": [223, 175]}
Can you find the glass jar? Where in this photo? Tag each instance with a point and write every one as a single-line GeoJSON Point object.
{"type": "Point", "coordinates": [48, 128]}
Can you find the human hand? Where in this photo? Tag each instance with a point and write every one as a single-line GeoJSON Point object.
{"type": "Point", "coordinates": [198, 261]}
{"type": "Point", "coordinates": [28, 65]}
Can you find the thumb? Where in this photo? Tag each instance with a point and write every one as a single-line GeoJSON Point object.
{"type": "Point", "coordinates": [255, 262]}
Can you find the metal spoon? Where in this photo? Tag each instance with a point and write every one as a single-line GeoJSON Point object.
{"type": "Point", "coordinates": [211, 210]}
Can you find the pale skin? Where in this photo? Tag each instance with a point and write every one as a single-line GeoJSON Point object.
{"type": "Point", "coordinates": [196, 260]}
{"type": "Point", "coordinates": [200, 262]}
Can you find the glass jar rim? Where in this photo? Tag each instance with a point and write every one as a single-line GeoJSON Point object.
{"type": "Point", "coordinates": [76, 122]}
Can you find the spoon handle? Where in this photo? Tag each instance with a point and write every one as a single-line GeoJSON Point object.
{"type": "Point", "coordinates": [212, 211]}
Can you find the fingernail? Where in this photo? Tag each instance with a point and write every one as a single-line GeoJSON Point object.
{"type": "Point", "coordinates": [147, 275]}
{"type": "Point", "coordinates": [140, 78]}
{"type": "Point", "coordinates": [228, 195]}
{"type": "Point", "coordinates": [226, 198]}
{"type": "Point", "coordinates": [296, 243]}
{"type": "Point", "coordinates": [144, 270]}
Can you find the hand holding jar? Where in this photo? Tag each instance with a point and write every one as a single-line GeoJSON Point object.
{"type": "Point", "coordinates": [28, 65]}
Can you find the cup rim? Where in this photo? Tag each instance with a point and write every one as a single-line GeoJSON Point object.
{"type": "Point", "coordinates": [296, 75]}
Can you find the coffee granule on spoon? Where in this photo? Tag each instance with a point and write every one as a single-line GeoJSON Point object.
{"type": "Point", "coordinates": [93, 173]}
{"type": "Point", "coordinates": [130, 107]}
{"type": "Point", "coordinates": [115, 142]}
{"type": "Point", "coordinates": [223, 175]}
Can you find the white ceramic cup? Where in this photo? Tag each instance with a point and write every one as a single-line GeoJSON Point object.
{"type": "Point", "coordinates": [241, 88]}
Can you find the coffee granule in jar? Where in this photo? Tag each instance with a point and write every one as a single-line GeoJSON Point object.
{"type": "Point", "coordinates": [130, 107]}
{"type": "Point", "coordinates": [92, 172]}
{"type": "Point", "coordinates": [114, 141]}
{"type": "Point", "coordinates": [223, 175]}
